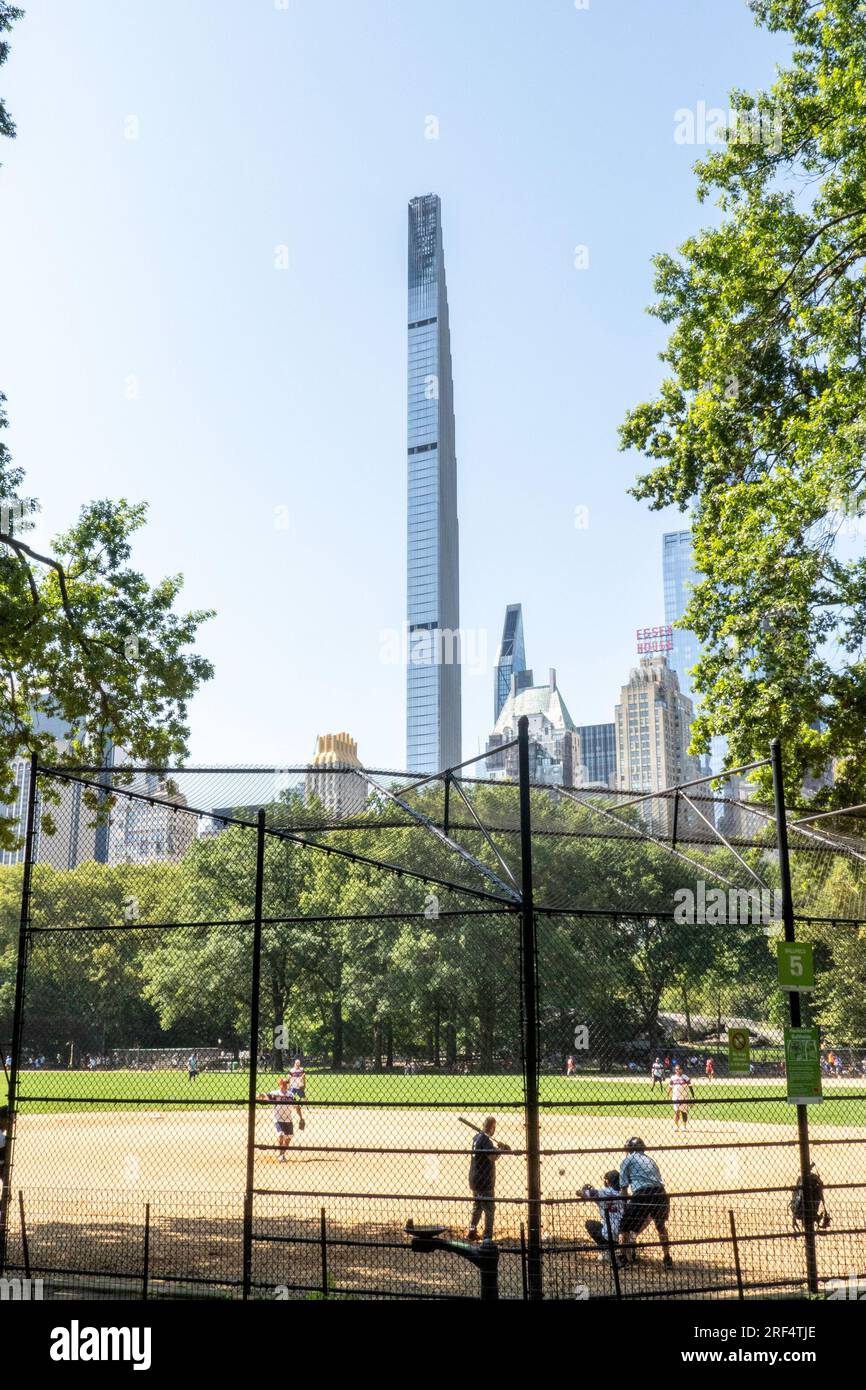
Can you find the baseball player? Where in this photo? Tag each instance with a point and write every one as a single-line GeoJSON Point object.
{"type": "Point", "coordinates": [657, 1072]}
{"type": "Point", "coordinates": [710, 1069]}
{"type": "Point", "coordinates": [282, 1102]}
{"type": "Point", "coordinates": [298, 1088]}
{"type": "Point", "coordinates": [482, 1178]}
{"type": "Point", "coordinates": [611, 1206]}
{"type": "Point", "coordinates": [648, 1201]}
{"type": "Point", "coordinates": [680, 1087]}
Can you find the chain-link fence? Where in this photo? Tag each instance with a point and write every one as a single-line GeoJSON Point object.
{"type": "Point", "coordinates": [257, 1022]}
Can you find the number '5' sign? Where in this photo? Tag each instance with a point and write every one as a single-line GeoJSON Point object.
{"type": "Point", "coordinates": [796, 966]}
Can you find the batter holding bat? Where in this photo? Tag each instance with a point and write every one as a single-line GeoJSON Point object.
{"type": "Point", "coordinates": [482, 1177]}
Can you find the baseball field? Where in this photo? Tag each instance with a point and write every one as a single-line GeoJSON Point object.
{"type": "Point", "coordinates": [378, 1149]}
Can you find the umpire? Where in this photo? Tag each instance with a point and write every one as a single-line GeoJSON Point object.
{"type": "Point", "coordinates": [648, 1201]}
{"type": "Point", "coordinates": [482, 1178]}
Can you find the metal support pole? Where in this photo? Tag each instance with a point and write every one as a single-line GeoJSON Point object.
{"type": "Point", "coordinates": [446, 818]}
{"type": "Point", "coordinates": [254, 1054]}
{"type": "Point", "coordinates": [676, 818]}
{"type": "Point", "coordinates": [146, 1274]}
{"type": "Point", "coordinates": [18, 1014]}
{"type": "Point", "coordinates": [737, 1269]}
{"type": "Point", "coordinates": [528, 957]}
{"type": "Point", "coordinates": [794, 1006]}
{"type": "Point", "coordinates": [323, 1238]}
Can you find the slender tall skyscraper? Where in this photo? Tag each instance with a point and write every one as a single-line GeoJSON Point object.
{"type": "Point", "coordinates": [433, 719]}
{"type": "Point", "coordinates": [510, 659]}
{"type": "Point", "coordinates": [679, 572]}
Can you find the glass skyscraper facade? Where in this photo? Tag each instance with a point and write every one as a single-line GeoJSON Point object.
{"type": "Point", "coordinates": [510, 659]}
{"type": "Point", "coordinates": [679, 572]}
{"type": "Point", "coordinates": [433, 714]}
{"type": "Point", "coordinates": [598, 753]}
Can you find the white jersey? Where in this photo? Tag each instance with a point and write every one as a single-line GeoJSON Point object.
{"type": "Point", "coordinates": [298, 1081]}
{"type": "Point", "coordinates": [658, 1071]}
{"type": "Point", "coordinates": [680, 1088]}
{"type": "Point", "coordinates": [611, 1205]}
{"type": "Point", "coordinates": [282, 1105]}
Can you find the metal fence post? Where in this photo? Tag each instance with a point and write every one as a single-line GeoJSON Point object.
{"type": "Point", "coordinates": [794, 1007]}
{"type": "Point", "coordinates": [18, 1015]}
{"type": "Point", "coordinates": [528, 957]}
{"type": "Point", "coordinates": [254, 1054]}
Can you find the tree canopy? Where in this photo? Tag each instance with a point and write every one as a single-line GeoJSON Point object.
{"type": "Point", "coordinates": [758, 431]}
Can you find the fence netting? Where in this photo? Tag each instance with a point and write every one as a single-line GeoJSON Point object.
{"type": "Point", "coordinates": [263, 1015]}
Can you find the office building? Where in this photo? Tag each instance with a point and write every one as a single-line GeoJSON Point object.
{"type": "Point", "coordinates": [554, 744]}
{"type": "Point", "coordinates": [597, 754]}
{"type": "Point", "coordinates": [679, 573]}
{"type": "Point", "coordinates": [510, 659]}
{"type": "Point", "coordinates": [433, 712]}
{"type": "Point", "coordinates": [652, 724]}
{"type": "Point", "coordinates": [331, 780]}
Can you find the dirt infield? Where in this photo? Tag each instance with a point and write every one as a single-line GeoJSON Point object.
{"type": "Point", "coordinates": [86, 1178]}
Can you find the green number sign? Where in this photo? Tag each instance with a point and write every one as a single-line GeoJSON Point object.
{"type": "Point", "coordinates": [803, 1065]}
{"type": "Point", "coordinates": [796, 966]}
{"type": "Point", "coordinates": [738, 1051]}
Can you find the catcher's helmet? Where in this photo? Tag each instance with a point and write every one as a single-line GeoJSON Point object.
{"type": "Point", "coordinates": [634, 1146]}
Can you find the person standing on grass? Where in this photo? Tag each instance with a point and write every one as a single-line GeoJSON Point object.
{"type": "Point", "coordinates": [657, 1072]}
{"type": "Point", "coordinates": [569, 1066]}
{"type": "Point", "coordinates": [710, 1069]}
{"type": "Point", "coordinates": [482, 1178]}
{"type": "Point", "coordinates": [681, 1088]}
{"type": "Point", "coordinates": [282, 1102]}
{"type": "Point", "coordinates": [192, 1066]}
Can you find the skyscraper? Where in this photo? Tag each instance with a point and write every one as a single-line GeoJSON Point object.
{"type": "Point", "coordinates": [433, 716]}
{"type": "Point", "coordinates": [679, 572]}
{"type": "Point", "coordinates": [554, 744]}
{"type": "Point", "coordinates": [510, 659]}
{"type": "Point", "coordinates": [652, 720]}
{"type": "Point", "coordinates": [598, 754]}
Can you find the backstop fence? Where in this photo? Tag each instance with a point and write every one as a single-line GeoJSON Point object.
{"type": "Point", "coordinates": [252, 1018]}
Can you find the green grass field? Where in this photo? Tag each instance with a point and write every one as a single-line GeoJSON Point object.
{"type": "Point", "coordinates": [757, 1101]}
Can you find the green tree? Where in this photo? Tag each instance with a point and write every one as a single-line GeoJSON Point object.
{"type": "Point", "coordinates": [758, 430]}
{"type": "Point", "coordinates": [83, 637]}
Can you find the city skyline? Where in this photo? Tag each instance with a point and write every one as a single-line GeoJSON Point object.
{"type": "Point", "coordinates": [275, 426]}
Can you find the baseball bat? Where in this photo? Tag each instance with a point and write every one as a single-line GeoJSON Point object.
{"type": "Point", "coordinates": [470, 1125]}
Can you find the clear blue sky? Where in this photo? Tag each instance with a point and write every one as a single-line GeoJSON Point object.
{"type": "Point", "coordinates": [148, 265]}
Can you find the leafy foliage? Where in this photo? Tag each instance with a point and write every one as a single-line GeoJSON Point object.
{"type": "Point", "coordinates": [758, 430]}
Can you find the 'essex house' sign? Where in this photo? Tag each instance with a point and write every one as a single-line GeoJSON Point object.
{"type": "Point", "coordinates": [655, 639]}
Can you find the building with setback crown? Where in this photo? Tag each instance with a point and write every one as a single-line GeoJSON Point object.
{"type": "Point", "coordinates": [433, 709]}
{"type": "Point", "coordinates": [653, 722]}
{"type": "Point", "coordinates": [331, 780]}
{"type": "Point", "coordinates": [554, 744]}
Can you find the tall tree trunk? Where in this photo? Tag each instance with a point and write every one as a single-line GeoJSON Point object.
{"type": "Point", "coordinates": [377, 1046]}
{"type": "Point", "coordinates": [686, 1012]}
{"type": "Point", "coordinates": [487, 1025]}
{"type": "Point", "coordinates": [437, 1039]}
{"type": "Point", "coordinates": [450, 1044]}
{"type": "Point", "coordinates": [337, 1033]}
{"type": "Point", "coordinates": [389, 1046]}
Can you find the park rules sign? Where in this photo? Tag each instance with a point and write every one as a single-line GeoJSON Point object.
{"type": "Point", "coordinates": [803, 1065]}
{"type": "Point", "coordinates": [738, 1052]}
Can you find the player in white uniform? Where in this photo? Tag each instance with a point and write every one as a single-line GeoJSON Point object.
{"type": "Point", "coordinates": [282, 1100]}
{"type": "Point", "coordinates": [657, 1072]}
{"type": "Point", "coordinates": [681, 1088]}
{"type": "Point", "coordinates": [298, 1088]}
